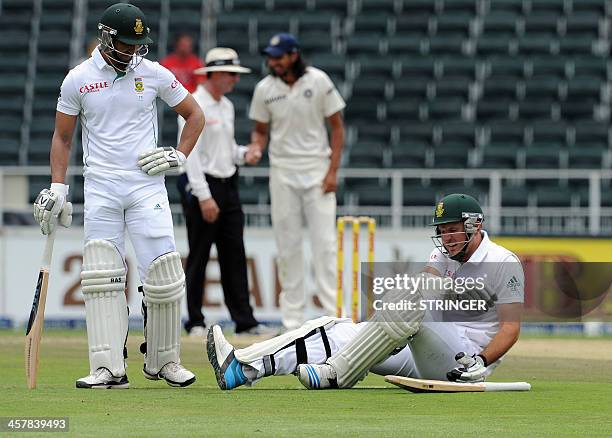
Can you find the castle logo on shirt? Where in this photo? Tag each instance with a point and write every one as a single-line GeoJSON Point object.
{"type": "Point", "coordinates": [138, 85]}
{"type": "Point", "coordinates": [93, 88]}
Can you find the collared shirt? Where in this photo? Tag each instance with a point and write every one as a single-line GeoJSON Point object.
{"type": "Point", "coordinates": [501, 272]}
{"type": "Point", "coordinates": [297, 113]}
{"type": "Point", "coordinates": [216, 152]}
{"type": "Point", "coordinates": [118, 113]}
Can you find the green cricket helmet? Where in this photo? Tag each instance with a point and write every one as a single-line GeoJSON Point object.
{"type": "Point", "coordinates": [125, 23]}
{"type": "Point", "coordinates": [457, 207]}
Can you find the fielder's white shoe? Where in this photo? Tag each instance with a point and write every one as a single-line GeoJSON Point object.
{"type": "Point", "coordinates": [103, 379]}
{"type": "Point", "coordinates": [317, 376]}
{"type": "Point", "coordinates": [197, 332]}
{"type": "Point", "coordinates": [174, 374]}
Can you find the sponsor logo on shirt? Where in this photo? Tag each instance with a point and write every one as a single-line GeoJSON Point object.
{"type": "Point", "coordinates": [275, 99]}
{"type": "Point", "coordinates": [93, 88]}
{"type": "Point", "coordinates": [513, 284]}
{"type": "Point", "coordinates": [138, 85]}
{"type": "Point", "coordinates": [157, 207]}
{"type": "Point", "coordinates": [174, 84]}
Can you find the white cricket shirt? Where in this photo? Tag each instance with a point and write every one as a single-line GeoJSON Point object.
{"type": "Point", "coordinates": [502, 272]}
{"type": "Point", "coordinates": [298, 135]}
{"type": "Point", "coordinates": [118, 114]}
{"type": "Point", "coordinates": [216, 152]}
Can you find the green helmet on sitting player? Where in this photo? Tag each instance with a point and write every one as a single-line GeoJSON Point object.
{"type": "Point", "coordinates": [457, 207]}
{"type": "Point", "coordinates": [125, 23]}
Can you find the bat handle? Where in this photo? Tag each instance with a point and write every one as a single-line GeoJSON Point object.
{"type": "Point", "coordinates": [46, 260]}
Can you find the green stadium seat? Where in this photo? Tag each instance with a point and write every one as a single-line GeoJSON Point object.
{"type": "Point", "coordinates": [553, 197]}
{"type": "Point", "coordinates": [445, 108]}
{"type": "Point", "coordinates": [542, 157]}
{"type": "Point", "coordinates": [458, 67]}
{"type": "Point", "coordinates": [493, 44]}
{"type": "Point", "coordinates": [506, 67]}
{"type": "Point", "coordinates": [331, 64]}
{"type": "Point", "coordinates": [541, 87]}
{"type": "Point", "coordinates": [372, 24]}
{"type": "Point", "coordinates": [542, 23]}
{"type": "Point", "coordinates": [421, 67]}
{"type": "Point", "coordinates": [444, 45]}
{"type": "Point", "coordinates": [366, 154]}
{"type": "Point", "coordinates": [597, 6]}
{"type": "Point", "coordinates": [9, 150]}
{"type": "Point", "coordinates": [412, 25]}
{"type": "Point", "coordinates": [460, 6]}
{"type": "Point", "coordinates": [415, 88]}
{"type": "Point", "coordinates": [379, 133]}
{"type": "Point", "coordinates": [453, 87]}
{"type": "Point", "coordinates": [499, 156]}
{"type": "Point", "coordinates": [500, 87]}
{"type": "Point", "coordinates": [311, 42]}
{"type": "Point", "coordinates": [585, 157]}
{"type": "Point", "coordinates": [384, 67]}
{"type": "Point", "coordinates": [402, 45]}
{"type": "Point", "coordinates": [270, 24]}
{"type": "Point", "coordinates": [507, 5]}
{"type": "Point", "coordinates": [245, 5]}
{"type": "Point", "coordinates": [418, 7]}
{"type": "Point", "coordinates": [536, 45]}
{"type": "Point", "coordinates": [583, 24]}
{"type": "Point", "coordinates": [377, 6]}
{"type": "Point", "coordinates": [453, 23]}
{"type": "Point", "coordinates": [362, 109]}
{"type": "Point", "coordinates": [548, 67]}
{"type": "Point", "coordinates": [535, 109]}
{"type": "Point", "coordinates": [420, 132]}
{"type": "Point", "coordinates": [577, 110]}
{"type": "Point", "coordinates": [332, 6]}
{"type": "Point", "coordinates": [513, 196]}
{"type": "Point", "coordinates": [501, 23]}
{"type": "Point", "coordinates": [403, 110]}
{"type": "Point", "coordinates": [458, 132]}
{"type": "Point", "coordinates": [590, 66]}
{"type": "Point", "coordinates": [584, 88]}
{"type": "Point", "coordinates": [315, 22]}
{"type": "Point", "coordinates": [493, 109]}
{"type": "Point", "coordinates": [291, 6]}
{"type": "Point", "coordinates": [451, 155]}
{"type": "Point", "coordinates": [575, 45]}
{"type": "Point", "coordinates": [504, 132]}
{"type": "Point", "coordinates": [549, 132]}
{"type": "Point", "coordinates": [417, 194]}
{"type": "Point", "coordinates": [10, 125]}
{"type": "Point", "coordinates": [409, 155]}
{"type": "Point", "coordinates": [369, 191]}
{"type": "Point", "coordinates": [549, 6]}
{"type": "Point", "coordinates": [372, 86]}
{"type": "Point", "coordinates": [363, 44]}
{"type": "Point", "coordinates": [592, 133]}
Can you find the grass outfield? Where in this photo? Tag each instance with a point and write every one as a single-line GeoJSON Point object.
{"type": "Point", "coordinates": [569, 397]}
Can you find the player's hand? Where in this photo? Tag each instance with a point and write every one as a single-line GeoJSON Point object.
{"type": "Point", "coordinates": [51, 207]}
{"type": "Point", "coordinates": [252, 155]}
{"type": "Point", "coordinates": [160, 160]}
{"type": "Point", "coordinates": [471, 369]}
{"type": "Point", "coordinates": [210, 210]}
{"type": "Point", "coordinates": [330, 182]}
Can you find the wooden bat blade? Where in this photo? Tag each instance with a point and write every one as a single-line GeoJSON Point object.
{"type": "Point", "coordinates": [422, 385]}
{"type": "Point", "coordinates": [35, 328]}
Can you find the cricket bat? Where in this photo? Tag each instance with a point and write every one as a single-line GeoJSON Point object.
{"type": "Point", "coordinates": [421, 385]}
{"type": "Point", "coordinates": [37, 315]}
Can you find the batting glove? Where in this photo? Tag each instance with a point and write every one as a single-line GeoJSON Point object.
{"type": "Point", "coordinates": [51, 207]}
{"type": "Point", "coordinates": [471, 369]}
{"type": "Point", "coordinates": [160, 160]}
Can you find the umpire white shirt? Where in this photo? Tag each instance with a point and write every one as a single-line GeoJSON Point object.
{"type": "Point", "coordinates": [298, 135]}
{"type": "Point", "coordinates": [216, 152]}
{"type": "Point", "coordinates": [118, 113]}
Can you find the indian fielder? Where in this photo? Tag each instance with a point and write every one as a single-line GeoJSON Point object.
{"type": "Point", "coordinates": [420, 343]}
{"type": "Point", "coordinates": [113, 94]}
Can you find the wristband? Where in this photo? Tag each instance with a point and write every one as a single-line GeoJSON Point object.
{"type": "Point", "coordinates": [484, 360]}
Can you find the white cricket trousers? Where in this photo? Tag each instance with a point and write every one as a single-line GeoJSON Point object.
{"type": "Point", "coordinates": [297, 197]}
{"type": "Point", "coordinates": [132, 201]}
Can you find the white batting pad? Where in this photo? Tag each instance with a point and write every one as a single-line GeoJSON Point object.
{"type": "Point", "coordinates": [163, 289]}
{"type": "Point", "coordinates": [103, 283]}
{"type": "Point", "coordinates": [271, 346]}
{"type": "Point", "coordinates": [386, 331]}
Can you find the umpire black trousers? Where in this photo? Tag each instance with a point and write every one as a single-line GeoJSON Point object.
{"type": "Point", "coordinates": [227, 235]}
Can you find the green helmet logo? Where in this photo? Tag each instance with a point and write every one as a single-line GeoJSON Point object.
{"type": "Point", "coordinates": [457, 207]}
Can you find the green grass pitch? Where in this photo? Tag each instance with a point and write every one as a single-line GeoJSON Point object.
{"type": "Point", "coordinates": [571, 396]}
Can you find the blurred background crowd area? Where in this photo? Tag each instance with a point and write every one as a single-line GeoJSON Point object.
{"type": "Point", "coordinates": [507, 100]}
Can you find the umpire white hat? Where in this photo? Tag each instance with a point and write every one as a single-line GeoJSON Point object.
{"type": "Point", "coordinates": [222, 59]}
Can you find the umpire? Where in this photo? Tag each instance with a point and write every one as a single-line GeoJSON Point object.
{"type": "Point", "coordinates": [209, 193]}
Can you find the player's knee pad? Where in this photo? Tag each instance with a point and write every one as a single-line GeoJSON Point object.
{"type": "Point", "coordinates": [296, 338]}
{"type": "Point", "coordinates": [163, 289]}
{"type": "Point", "coordinates": [103, 279]}
{"type": "Point", "coordinates": [389, 328]}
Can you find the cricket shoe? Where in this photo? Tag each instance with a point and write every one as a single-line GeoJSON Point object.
{"type": "Point", "coordinates": [103, 379]}
{"type": "Point", "coordinates": [317, 376]}
{"type": "Point", "coordinates": [174, 374]}
{"type": "Point", "coordinates": [228, 370]}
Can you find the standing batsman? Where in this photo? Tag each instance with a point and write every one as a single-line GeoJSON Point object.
{"type": "Point", "coordinates": [291, 107]}
{"type": "Point", "coordinates": [459, 345]}
{"type": "Point", "coordinates": [114, 93]}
